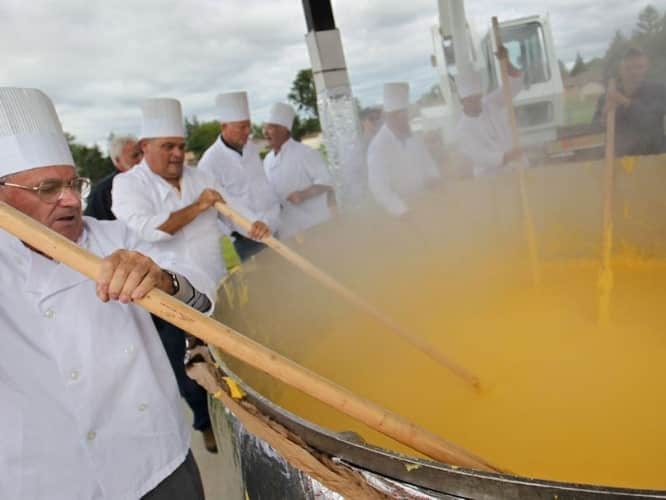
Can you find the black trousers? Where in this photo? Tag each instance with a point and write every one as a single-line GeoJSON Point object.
{"type": "Point", "coordinates": [173, 339]}
{"type": "Point", "coordinates": [246, 247]}
{"type": "Point", "coordinates": [182, 484]}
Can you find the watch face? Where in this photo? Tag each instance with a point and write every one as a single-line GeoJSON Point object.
{"type": "Point", "coordinates": [176, 284]}
{"type": "Point", "coordinates": [174, 281]}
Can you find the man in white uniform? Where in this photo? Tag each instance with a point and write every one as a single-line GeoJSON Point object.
{"type": "Point", "coordinates": [399, 165]}
{"type": "Point", "coordinates": [298, 175]}
{"type": "Point", "coordinates": [90, 407]}
{"type": "Point", "coordinates": [484, 134]}
{"type": "Point", "coordinates": [354, 164]}
{"type": "Point", "coordinates": [234, 161]}
{"type": "Point", "coordinates": [171, 206]}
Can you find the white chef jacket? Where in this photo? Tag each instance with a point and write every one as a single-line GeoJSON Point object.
{"type": "Point", "coordinates": [398, 169]}
{"type": "Point", "coordinates": [485, 139]}
{"type": "Point", "coordinates": [354, 173]}
{"type": "Point", "coordinates": [244, 178]}
{"type": "Point", "coordinates": [90, 405]}
{"type": "Point", "coordinates": [294, 168]}
{"type": "Point", "coordinates": [144, 201]}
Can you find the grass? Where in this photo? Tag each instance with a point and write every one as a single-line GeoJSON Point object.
{"type": "Point", "coordinates": [578, 111]}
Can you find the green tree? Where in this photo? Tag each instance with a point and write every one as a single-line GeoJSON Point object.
{"type": "Point", "coordinates": [652, 39]}
{"type": "Point", "coordinates": [200, 136]}
{"type": "Point", "coordinates": [649, 22]}
{"type": "Point", "coordinates": [90, 162]}
{"type": "Point", "coordinates": [304, 96]}
{"type": "Point", "coordinates": [648, 35]}
{"type": "Point", "coordinates": [303, 93]}
{"type": "Point", "coordinates": [257, 131]}
{"type": "Point", "coordinates": [304, 126]}
{"type": "Point", "coordinates": [614, 54]}
{"type": "Point", "coordinates": [579, 65]}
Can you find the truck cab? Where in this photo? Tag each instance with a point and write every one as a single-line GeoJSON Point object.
{"type": "Point", "coordinates": [529, 41]}
{"type": "Point", "coordinates": [539, 106]}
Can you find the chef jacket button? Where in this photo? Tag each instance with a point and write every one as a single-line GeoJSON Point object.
{"type": "Point", "coordinates": [143, 407]}
{"type": "Point", "coordinates": [91, 436]}
{"type": "Point", "coordinates": [74, 375]}
{"type": "Point", "coordinates": [129, 349]}
{"type": "Point", "coordinates": [49, 313]}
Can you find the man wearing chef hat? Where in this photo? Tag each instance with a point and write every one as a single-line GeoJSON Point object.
{"type": "Point", "coordinates": [399, 165]}
{"type": "Point", "coordinates": [484, 134]}
{"type": "Point", "coordinates": [172, 206]}
{"type": "Point", "coordinates": [234, 161]}
{"type": "Point", "coordinates": [297, 174]}
{"type": "Point", "coordinates": [89, 404]}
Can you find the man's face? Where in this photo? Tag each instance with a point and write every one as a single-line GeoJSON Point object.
{"type": "Point", "coordinates": [130, 155]}
{"type": "Point", "coordinates": [165, 157]}
{"type": "Point", "coordinates": [276, 135]}
{"type": "Point", "coordinates": [472, 105]}
{"type": "Point", "coordinates": [63, 216]}
{"type": "Point", "coordinates": [633, 70]}
{"type": "Point", "coordinates": [398, 122]}
{"type": "Point", "coordinates": [371, 124]}
{"type": "Point", "coordinates": [236, 133]}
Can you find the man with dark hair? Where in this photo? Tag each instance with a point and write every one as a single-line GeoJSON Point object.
{"type": "Point", "coordinates": [640, 108]}
{"type": "Point", "coordinates": [298, 175]}
{"type": "Point", "coordinates": [124, 152]}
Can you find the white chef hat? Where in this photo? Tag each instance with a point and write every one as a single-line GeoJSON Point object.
{"type": "Point", "coordinates": [233, 107]}
{"type": "Point", "coordinates": [469, 83]}
{"type": "Point", "coordinates": [282, 114]}
{"type": "Point", "coordinates": [162, 117]}
{"type": "Point", "coordinates": [396, 96]}
{"type": "Point", "coordinates": [31, 135]}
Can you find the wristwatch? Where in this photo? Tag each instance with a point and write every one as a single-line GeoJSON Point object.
{"type": "Point", "coordinates": [174, 281]}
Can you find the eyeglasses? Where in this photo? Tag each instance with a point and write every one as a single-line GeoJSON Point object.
{"type": "Point", "coordinates": [52, 190]}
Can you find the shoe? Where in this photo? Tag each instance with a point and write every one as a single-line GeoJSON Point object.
{"type": "Point", "coordinates": [209, 440]}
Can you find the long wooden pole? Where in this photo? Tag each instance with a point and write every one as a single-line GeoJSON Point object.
{"type": "Point", "coordinates": [310, 269]}
{"type": "Point", "coordinates": [528, 225]}
{"type": "Point", "coordinates": [233, 343]}
{"type": "Point", "coordinates": [606, 272]}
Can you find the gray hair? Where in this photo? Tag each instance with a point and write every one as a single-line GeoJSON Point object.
{"type": "Point", "coordinates": [117, 144]}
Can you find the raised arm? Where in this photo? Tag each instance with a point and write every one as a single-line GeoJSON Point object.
{"type": "Point", "coordinates": [181, 218]}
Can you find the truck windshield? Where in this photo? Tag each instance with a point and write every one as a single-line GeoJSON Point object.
{"type": "Point", "coordinates": [526, 47]}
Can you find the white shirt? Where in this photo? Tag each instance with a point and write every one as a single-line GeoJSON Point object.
{"type": "Point", "coordinates": [90, 406]}
{"type": "Point", "coordinates": [294, 168]}
{"type": "Point", "coordinates": [485, 139]}
{"type": "Point", "coordinates": [354, 173]}
{"type": "Point", "coordinates": [144, 201]}
{"type": "Point", "coordinates": [398, 169]}
{"type": "Point", "coordinates": [244, 178]}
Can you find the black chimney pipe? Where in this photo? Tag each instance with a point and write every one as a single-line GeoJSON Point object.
{"type": "Point", "coordinates": [318, 15]}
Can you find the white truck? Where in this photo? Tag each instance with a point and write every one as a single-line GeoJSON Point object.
{"type": "Point", "coordinates": [529, 41]}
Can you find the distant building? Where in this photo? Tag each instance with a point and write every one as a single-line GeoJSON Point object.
{"type": "Point", "coordinates": [586, 85]}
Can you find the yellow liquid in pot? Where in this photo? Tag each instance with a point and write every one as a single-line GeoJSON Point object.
{"type": "Point", "coordinates": [563, 398]}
